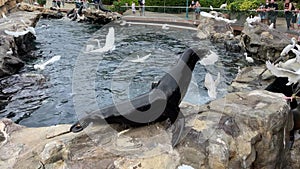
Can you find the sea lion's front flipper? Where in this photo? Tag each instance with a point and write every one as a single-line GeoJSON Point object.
{"type": "Point", "coordinates": [78, 126]}
{"type": "Point", "coordinates": [177, 129]}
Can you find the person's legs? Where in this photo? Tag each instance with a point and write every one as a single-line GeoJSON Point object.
{"type": "Point", "coordinates": [288, 18]}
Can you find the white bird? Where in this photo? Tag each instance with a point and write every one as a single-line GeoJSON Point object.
{"type": "Point", "coordinates": [43, 65]}
{"type": "Point", "coordinates": [142, 59]}
{"type": "Point", "coordinates": [207, 15]}
{"type": "Point", "coordinates": [287, 49]}
{"type": "Point", "coordinates": [209, 59]}
{"type": "Point", "coordinates": [211, 8]}
{"type": "Point", "coordinates": [211, 85]}
{"type": "Point", "coordinates": [293, 77]}
{"type": "Point", "coordinates": [16, 34]}
{"type": "Point", "coordinates": [271, 26]}
{"type": "Point", "coordinates": [9, 52]}
{"type": "Point", "coordinates": [226, 20]}
{"type": "Point", "coordinates": [91, 47]}
{"type": "Point", "coordinates": [297, 53]}
{"type": "Point", "coordinates": [223, 6]}
{"type": "Point", "coordinates": [3, 15]}
{"type": "Point", "coordinates": [80, 18]}
{"type": "Point", "coordinates": [253, 20]}
{"type": "Point", "coordinates": [109, 43]}
{"type": "Point", "coordinates": [249, 59]}
{"type": "Point", "coordinates": [123, 23]}
{"type": "Point", "coordinates": [291, 64]}
{"type": "Point", "coordinates": [31, 30]}
{"type": "Point", "coordinates": [165, 26]}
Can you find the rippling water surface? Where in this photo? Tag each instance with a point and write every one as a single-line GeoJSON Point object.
{"type": "Point", "coordinates": [45, 97]}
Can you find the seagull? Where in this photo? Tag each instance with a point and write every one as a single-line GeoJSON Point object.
{"type": "Point", "coordinates": [253, 20]}
{"type": "Point", "coordinates": [123, 23]}
{"type": "Point", "coordinates": [291, 64]}
{"type": "Point", "coordinates": [43, 65]}
{"type": "Point", "coordinates": [207, 15]}
{"type": "Point", "coordinates": [16, 34]}
{"type": "Point", "coordinates": [211, 8]}
{"type": "Point", "coordinates": [271, 26]}
{"type": "Point", "coordinates": [223, 6]}
{"type": "Point", "coordinates": [209, 59]}
{"type": "Point", "coordinates": [9, 52]}
{"type": "Point", "coordinates": [249, 59]}
{"type": "Point", "coordinates": [142, 59]}
{"type": "Point", "coordinates": [90, 47]}
{"type": "Point", "coordinates": [297, 53]}
{"type": "Point", "coordinates": [109, 43]}
{"type": "Point", "coordinates": [287, 49]}
{"type": "Point", "coordinates": [165, 26]}
{"type": "Point", "coordinates": [3, 15]}
{"type": "Point", "coordinates": [211, 85]}
{"type": "Point", "coordinates": [293, 77]}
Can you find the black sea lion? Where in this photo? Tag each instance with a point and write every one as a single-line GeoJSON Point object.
{"type": "Point", "coordinates": [161, 103]}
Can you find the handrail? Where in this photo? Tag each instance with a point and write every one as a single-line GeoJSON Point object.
{"type": "Point", "coordinates": [205, 8]}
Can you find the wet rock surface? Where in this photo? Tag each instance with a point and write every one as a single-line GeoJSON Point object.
{"type": "Point", "coordinates": [242, 130]}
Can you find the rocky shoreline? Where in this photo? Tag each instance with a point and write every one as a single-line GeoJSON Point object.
{"type": "Point", "coordinates": [248, 128]}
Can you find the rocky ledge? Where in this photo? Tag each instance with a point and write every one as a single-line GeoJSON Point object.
{"type": "Point", "coordinates": [241, 130]}
{"type": "Point", "coordinates": [14, 49]}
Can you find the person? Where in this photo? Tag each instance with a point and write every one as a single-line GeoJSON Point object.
{"type": "Point", "coordinates": [294, 18]}
{"type": "Point", "coordinates": [197, 9]}
{"type": "Point", "coordinates": [288, 8]}
{"type": "Point", "coordinates": [272, 11]}
{"type": "Point", "coordinates": [298, 21]}
{"type": "Point", "coordinates": [262, 12]}
{"type": "Point", "coordinates": [192, 5]}
{"type": "Point", "coordinates": [133, 8]}
{"type": "Point", "coordinates": [140, 6]}
{"type": "Point", "coordinates": [143, 7]}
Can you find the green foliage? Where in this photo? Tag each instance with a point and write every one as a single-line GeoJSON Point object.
{"type": "Point", "coordinates": [243, 5]}
{"type": "Point", "coordinates": [117, 5]}
{"type": "Point", "coordinates": [41, 2]}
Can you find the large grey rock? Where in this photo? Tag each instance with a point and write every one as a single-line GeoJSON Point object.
{"type": "Point", "coordinates": [217, 31]}
{"type": "Point", "coordinates": [248, 79]}
{"type": "Point", "coordinates": [241, 130]}
{"type": "Point", "coordinates": [262, 42]}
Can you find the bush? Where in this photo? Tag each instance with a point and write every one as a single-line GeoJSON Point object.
{"type": "Point", "coordinates": [41, 2]}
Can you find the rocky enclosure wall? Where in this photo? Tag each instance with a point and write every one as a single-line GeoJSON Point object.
{"type": "Point", "coordinates": [7, 6]}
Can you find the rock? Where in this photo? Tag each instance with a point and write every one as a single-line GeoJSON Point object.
{"type": "Point", "coordinates": [263, 43]}
{"type": "Point", "coordinates": [248, 79]}
{"type": "Point", "coordinates": [218, 31]}
{"type": "Point", "coordinates": [242, 130]}
{"type": "Point", "coordinates": [21, 46]}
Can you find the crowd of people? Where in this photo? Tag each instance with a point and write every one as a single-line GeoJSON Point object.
{"type": "Point", "coordinates": [268, 13]}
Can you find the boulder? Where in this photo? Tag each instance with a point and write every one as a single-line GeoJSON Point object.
{"type": "Point", "coordinates": [248, 79]}
{"type": "Point", "coordinates": [262, 42]}
{"type": "Point", "coordinates": [241, 130]}
{"type": "Point", "coordinates": [217, 31]}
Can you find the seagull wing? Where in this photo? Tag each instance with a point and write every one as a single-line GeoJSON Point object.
{"type": "Point", "coordinates": [16, 34]}
{"type": "Point", "coordinates": [210, 59]}
{"type": "Point", "coordinates": [110, 38]}
{"type": "Point", "coordinates": [210, 85]}
{"type": "Point", "coordinates": [208, 15]}
{"type": "Point", "coordinates": [292, 76]}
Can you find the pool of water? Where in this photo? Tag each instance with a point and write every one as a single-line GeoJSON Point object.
{"type": "Point", "coordinates": [46, 97]}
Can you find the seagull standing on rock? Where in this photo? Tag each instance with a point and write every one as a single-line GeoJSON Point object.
{"type": "Point", "coordinates": [249, 59]}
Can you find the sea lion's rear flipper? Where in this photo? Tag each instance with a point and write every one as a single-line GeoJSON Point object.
{"type": "Point", "coordinates": [177, 129]}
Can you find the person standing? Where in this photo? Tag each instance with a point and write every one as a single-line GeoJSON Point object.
{"type": "Point", "coordinates": [272, 11]}
{"type": "Point", "coordinates": [197, 9]}
{"type": "Point", "coordinates": [133, 8]}
{"type": "Point", "coordinates": [288, 8]}
{"type": "Point", "coordinates": [143, 7]}
{"type": "Point", "coordinates": [262, 12]}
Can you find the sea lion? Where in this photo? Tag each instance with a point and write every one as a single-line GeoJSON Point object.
{"type": "Point", "coordinates": [160, 104]}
